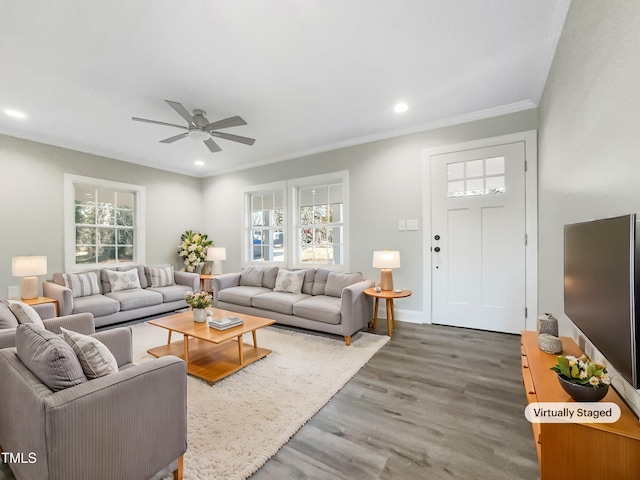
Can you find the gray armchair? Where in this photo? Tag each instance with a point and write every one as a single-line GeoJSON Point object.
{"type": "Point", "coordinates": [127, 425]}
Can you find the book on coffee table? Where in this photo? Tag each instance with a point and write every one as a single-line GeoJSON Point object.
{"type": "Point", "coordinates": [225, 323]}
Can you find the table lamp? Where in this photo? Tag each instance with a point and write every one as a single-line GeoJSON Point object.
{"type": "Point", "coordinates": [216, 255]}
{"type": "Point", "coordinates": [386, 260]}
{"type": "Point", "coordinates": [27, 268]}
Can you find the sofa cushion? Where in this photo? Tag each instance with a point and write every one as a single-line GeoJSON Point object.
{"type": "Point", "coordinates": [127, 280]}
{"type": "Point", "coordinates": [289, 281]}
{"type": "Point", "coordinates": [95, 358]}
{"type": "Point", "coordinates": [82, 284]}
{"type": "Point", "coordinates": [336, 281]}
{"type": "Point", "coordinates": [241, 295]}
{"type": "Point", "coordinates": [98, 305]}
{"type": "Point", "coordinates": [320, 281]}
{"type": "Point", "coordinates": [48, 357]}
{"type": "Point", "coordinates": [7, 318]}
{"type": "Point", "coordinates": [161, 276]}
{"type": "Point", "coordinates": [172, 293]}
{"type": "Point", "coordinates": [251, 277]}
{"type": "Point", "coordinates": [269, 277]}
{"type": "Point", "coordinates": [135, 298]}
{"type": "Point", "coordinates": [142, 276]}
{"type": "Point", "coordinates": [309, 277]}
{"type": "Point", "coordinates": [280, 302]}
{"type": "Point", "coordinates": [320, 308]}
{"type": "Point", "coordinates": [25, 313]}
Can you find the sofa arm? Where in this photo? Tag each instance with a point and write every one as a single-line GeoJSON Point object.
{"type": "Point", "coordinates": [45, 310]}
{"type": "Point", "coordinates": [226, 280]}
{"type": "Point", "coordinates": [119, 341]}
{"type": "Point", "coordinates": [63, 295]}
{"type": "Point", "coordinates": [80, 322]}
{"type": "Point", "coordinates": [189, 279]}
{"type": "Point", "coordinates": [145, 401]}
{"type": "Point", "coordinates": [356, 308]}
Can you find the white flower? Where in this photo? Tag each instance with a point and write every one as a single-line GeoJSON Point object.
{"type": "Point", "coordinates": [583, 374]}
{"type": "Point", "coordinates": [192, 257]}
{"type": "Point", "coordinates": [605, 379]}
{"type": "Point", "coordinates": [594, 381]}
{"type": "Point", "coordinates": [190, 268]}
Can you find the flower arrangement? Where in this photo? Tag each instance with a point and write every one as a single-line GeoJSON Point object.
{"type": "Point", "coordinates": [198, 300]}
{"type": "Point", "coordinates": [582, 371]}
{"type": "Point", "coordinates": [193, 249]}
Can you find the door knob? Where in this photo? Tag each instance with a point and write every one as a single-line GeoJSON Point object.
{"type": "Point", "coordinates": [437, 237]}
{"type": "Point", "coordinates": [437, 249]}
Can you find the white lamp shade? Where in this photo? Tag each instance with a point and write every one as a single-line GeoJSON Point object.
{"type": "Point", "coordinates": [386, 259]}
{"type": "Point", "coordinates": [216, 253]}
{"type": "Point", "coordinates": [28, 266]}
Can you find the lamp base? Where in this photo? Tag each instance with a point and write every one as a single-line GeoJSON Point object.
{"type": "Point", "coordinates": [29, 288]}
{"type": "Point", "coordinates": [217, 267]}
{"type": "Point", "coordinates": [386, 279]}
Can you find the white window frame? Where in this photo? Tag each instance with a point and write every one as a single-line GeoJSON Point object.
{"type": "Point", "coordinates": [247, 241]}
{"type": "Point", "coordinates": [70, 182]}
{"type": "Point", "coordinates": [289, 189]}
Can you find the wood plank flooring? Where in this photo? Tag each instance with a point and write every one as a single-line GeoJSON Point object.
{"type": "Point", "coordinates": [434, 403]}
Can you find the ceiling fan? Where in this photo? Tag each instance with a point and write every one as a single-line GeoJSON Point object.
{"type": "Point", "coordinates": [199, 128]}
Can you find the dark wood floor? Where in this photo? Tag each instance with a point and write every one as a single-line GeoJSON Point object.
{"type": "Point", "coordinates": [434, 403]}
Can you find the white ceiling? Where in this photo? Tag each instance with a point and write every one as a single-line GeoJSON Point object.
{"type": "Point", "coordinates": [306, 75]}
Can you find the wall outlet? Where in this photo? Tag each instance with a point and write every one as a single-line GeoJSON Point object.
{"type": "Point", "coordinates": [412, 225]}
{"type": "Point", "coordinates": [402, 225]}
{"type": "Point", "coordinates": [13, 292]}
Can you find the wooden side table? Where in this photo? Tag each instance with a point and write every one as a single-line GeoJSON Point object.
{"type": "Point", "coordinates": [203, 277]}
{"type": "Point", "coordinates": [389, 296]}
{"type": "Point", "coordinates": [41, 300]}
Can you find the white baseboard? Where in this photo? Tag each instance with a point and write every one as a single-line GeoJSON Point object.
{"type": "Point", "coordinates": [410, 316]}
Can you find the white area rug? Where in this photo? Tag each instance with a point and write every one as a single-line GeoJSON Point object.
{"type": "Point", "coordinates": [236, 425]}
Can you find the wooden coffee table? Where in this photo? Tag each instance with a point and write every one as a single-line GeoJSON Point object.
{"type": "Point", "coordinates": [211, 354]}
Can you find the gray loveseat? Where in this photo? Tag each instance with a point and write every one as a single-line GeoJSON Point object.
{"type": "Point", "coordinates": [114, 299]}
{"type": "Point", "coordinates": [327, 301]}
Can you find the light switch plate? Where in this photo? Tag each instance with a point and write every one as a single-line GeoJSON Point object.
{"type": "Point", "coordinates": [412, 225]}
{"type": "Point", "coordinates": [402, 225]}
{"type": "Point", "coordinates": [13, 292]}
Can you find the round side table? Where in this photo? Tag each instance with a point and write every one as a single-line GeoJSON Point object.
{"type": "Point", "coordinates": [389, 296]}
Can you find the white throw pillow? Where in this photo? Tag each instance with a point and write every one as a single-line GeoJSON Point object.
{"type": "Point", "coordinates": [161, 277]}
{"type": "Point", "coordinates": [95, 358]}
{"type": "Point", "coordinates": [25, 313]}
{"type": "Point", "coordinates": [288, 281]}
{"type": "Point", "coordinates": [82, 284]}
{"type": "Point", "coordinates": [123, 280]}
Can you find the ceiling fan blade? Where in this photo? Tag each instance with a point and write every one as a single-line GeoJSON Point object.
{"type": "Point", "coordinates": [157, 122]}
{"type": "Point", "coordinates": [213, 146]}
{"type": "Point", "coordinates": [226, 123]}
{"type": "Point", "coordinates": [182, 112]}
{"type": "Point", "coordinates": [233, 138]}
{"type": "Point", "coordinates": [173, 139]}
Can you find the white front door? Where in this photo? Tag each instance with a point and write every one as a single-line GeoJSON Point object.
{"type": "Point", "coordinates": [478, 238]}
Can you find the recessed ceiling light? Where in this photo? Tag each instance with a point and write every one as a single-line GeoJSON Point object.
{"type": "Point", "coordinates": [15, 113]}
{"type": "Point", "coordinates": [401, 107]}
{"type": "Point", "coordinates": [199, 163]}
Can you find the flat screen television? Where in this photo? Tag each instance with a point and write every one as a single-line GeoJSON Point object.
{"type": "Point", "coordinates": [600, 288]}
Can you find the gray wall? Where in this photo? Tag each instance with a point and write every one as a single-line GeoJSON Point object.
{"type": "Point", "coordinates": [589, 145]}
{"type": "Point", "coordinates": [31, 203]}
{"type": "Point", "coordinates": [385, 186]}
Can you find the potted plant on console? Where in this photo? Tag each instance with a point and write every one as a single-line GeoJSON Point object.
{"type": "Point", "coordinates": [199, 302]}
{"type": "Point", "coordinates": [582, 379]}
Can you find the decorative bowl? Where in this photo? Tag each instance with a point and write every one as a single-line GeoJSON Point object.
{"type": "Point", "coordinates": [583, 393]}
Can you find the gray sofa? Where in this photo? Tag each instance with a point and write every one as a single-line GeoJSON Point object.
{"type": "Point", "coordinates": [110, 307]}
{"type": "Point", "coordinates": [131, 424]}
{"type": "Point", "coordinates": [328, 301]}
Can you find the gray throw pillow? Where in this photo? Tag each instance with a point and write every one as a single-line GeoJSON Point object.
{"type": "Point", "coordinates": [161, 276]}
{"type": "Point", "coordinates": [288, 281]}
{"type": "Point", "coordinates": [48, 357]}
{"type": "Point", "coordinates": [336, 281]}
{"type": "Point", "coordinates": [269, 276]}
{"type": "Point", "coordinates": [25, 313]}
{"type": "Point", "coordinates": [128, 280]}
{"type": "Point", "coordinates": [82, 284]}
{"type": "Point", "coordinates": [320, 282]}
{"type": "Point", "coordinates": [7, 318]}
{"type": "Point", "coordinates": [95, 358]}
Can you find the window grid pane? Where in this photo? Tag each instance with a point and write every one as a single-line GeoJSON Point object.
{"type": "Point", "coordinates": [476, 177]}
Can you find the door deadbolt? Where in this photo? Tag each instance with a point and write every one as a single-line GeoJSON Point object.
{"type": "Point", "coordinates": [436, 249]}
{"type": "Point", "coordinates": [437, 237]}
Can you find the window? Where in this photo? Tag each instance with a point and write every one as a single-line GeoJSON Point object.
{"type": "Point", "coordinates": [298, 223]}
{"type": "Point", "coordinates": [103, 223]}
{"type": "Point", "coordinates": [476, 177]}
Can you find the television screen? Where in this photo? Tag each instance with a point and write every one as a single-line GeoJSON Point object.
{"type": "Point", "coordinates": [599, 288]}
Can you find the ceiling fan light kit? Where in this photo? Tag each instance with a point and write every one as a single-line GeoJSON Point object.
{"type": "Point", "coordinates": [199, 128]}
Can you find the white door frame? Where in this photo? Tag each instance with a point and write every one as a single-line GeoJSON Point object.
{"type": "Point", "coordinates": [530, 139]}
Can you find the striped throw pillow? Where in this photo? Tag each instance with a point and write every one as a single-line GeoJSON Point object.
{"type": "Point", "coordinates": [161, 276]}
{"type": "Point", "coordinates": [82, 284]}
